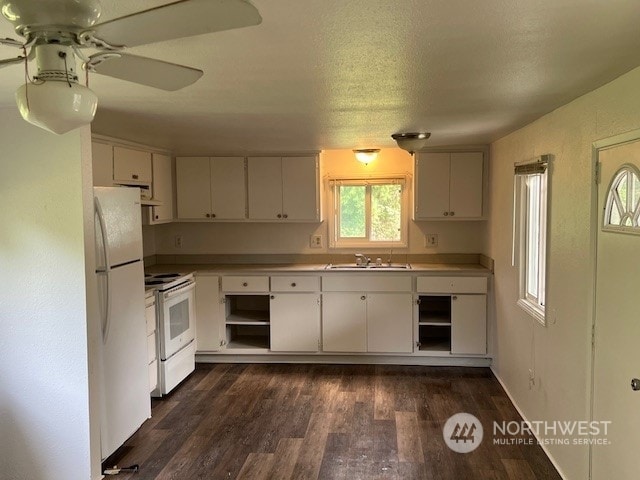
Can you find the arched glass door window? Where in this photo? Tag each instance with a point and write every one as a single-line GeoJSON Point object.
{"type": "Point", "coordinates": [622, 209]}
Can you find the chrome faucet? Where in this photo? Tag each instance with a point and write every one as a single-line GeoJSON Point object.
{"type": "Point", "coordinates": [362, 260]}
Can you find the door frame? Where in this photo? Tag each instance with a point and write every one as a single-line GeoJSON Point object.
{"type": "Point", "coordinates": [596, 147]}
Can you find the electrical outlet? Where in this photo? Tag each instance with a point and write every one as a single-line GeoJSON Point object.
{"type": "Point", "coordinates": [178, 241]}
{"type": "Point", "coordinates": [431, 240]}
{"type": "Point", "coordinates": [315, 241]}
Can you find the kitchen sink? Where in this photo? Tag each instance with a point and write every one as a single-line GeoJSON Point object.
{"type": "Point", "coordinates": [371, 266]}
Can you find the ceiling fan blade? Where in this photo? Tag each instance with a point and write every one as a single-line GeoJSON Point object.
{"type": "Point", "coordinates": [148, 71]}
{"type": "Point", "coordinates": [11, 61]}
{"type": "Point", "coordinates": [177, 20]}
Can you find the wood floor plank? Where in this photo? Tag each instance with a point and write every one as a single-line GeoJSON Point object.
{"type": "Point", "coordinates": [310, 458]}
{"type": "Point", "coordinates": [257, 466]}
{"type": "Point", "coordinates": [408, 434]}
{"type": "Point", "coordinates": [518, 469]}
{"type": "Point", "coordinates": [285, 458]}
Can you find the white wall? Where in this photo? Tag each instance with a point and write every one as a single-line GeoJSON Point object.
{"type": "Point", "coordinates": [44, 371]}
{"type": "Point", "coordinates": [559, 353]}
{"type": "Point", "coordinates": [239, 238]}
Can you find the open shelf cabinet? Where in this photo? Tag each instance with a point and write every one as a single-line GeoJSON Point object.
{"type": "Point", "coordinates": [247, 321]}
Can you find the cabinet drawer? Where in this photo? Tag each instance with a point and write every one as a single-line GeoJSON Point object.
{"type": "Point", "coordinates": [295, 284]}
{"type": "Point", "coordinates": [365, 283]}
{"type": "Point", "coordinates": [150, 316]}
{"type": "Point", "coordinates": [245, 284]}
{"type": "Point", "coordinates": [151, 347]}
{"type": "Point", "coordinates": [452, 285]}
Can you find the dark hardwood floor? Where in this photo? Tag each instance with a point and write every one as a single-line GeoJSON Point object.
{"type": "Point", "coordinates": [326, 422]}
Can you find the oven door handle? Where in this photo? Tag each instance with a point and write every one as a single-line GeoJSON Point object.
{"type": "Point", "coordinates": [190, 285]}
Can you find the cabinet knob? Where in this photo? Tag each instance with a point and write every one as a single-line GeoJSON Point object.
{"type": "Point", "coordinates": [157, 217]}
{"type": "Point", "coordinates": [293, 284]}
{"type": "Point", "coordinates": [272, 297]}
{"type": "Point", "coordinates": [245, 284]}
{"type": "Point", "coordinates": [363, 297]}
{"type": "Point", "coordinates": [452, 213]}
{"type": "Point", "coordinates": [446, 214]}
{"type": "Point", "coordinates": [134, 176]}
{"type": "Point", "coordinates": [207, 215]}
{"type": "Point", "coordinates": [213, 215]}
{"type": "Point", "coordinates": [285, 216]}
{"type": "Point", "coordinates": [454, 297]}
{"type": "Point", "coordinates": [279, 216]}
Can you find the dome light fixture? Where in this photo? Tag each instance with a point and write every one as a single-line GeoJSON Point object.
{"type": "Point", "coordinates": [412, 141]}
{"type": "Point", "coordinates": [366, 155]}
{"type": "Point", "coordinates": [55, 101]}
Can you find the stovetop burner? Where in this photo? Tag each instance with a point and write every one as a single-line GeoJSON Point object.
{"type": "Point", "coordinates": [165, 281]}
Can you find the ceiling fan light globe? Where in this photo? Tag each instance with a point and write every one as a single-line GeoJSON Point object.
{"type": "Point", "coordinates": [55, 106]}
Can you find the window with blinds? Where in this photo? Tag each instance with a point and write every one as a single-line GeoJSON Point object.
{"type": "Point", "coordinates": [530, 233]}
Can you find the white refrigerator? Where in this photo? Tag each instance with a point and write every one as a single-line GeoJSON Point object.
{"type": "Point", "coordinates": [125, 400]}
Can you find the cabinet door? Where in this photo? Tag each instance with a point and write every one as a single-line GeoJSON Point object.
{"type": "Point", "coordinates": [432, 185]}
{"type": "Point", "coordinates": [209, 314]}
{"type": "Point", "coordinates": [300, 188]}
{"type": "Point", "coordinates": [228, 188]}
{"type": "Point", "coordinates": [162, 189]}
{"type": "Point", "coordinates": [465, 196]}
{"type": "Point", "coordinates": [265, 188]}
{"type": "Point", "coordinates": [295, 322]}
{"type": "Point", "coordinates": [102, 164]}
{"type": "Point", "coordinates": [390, 322]}
{"type": "Point", "coordinates": [193, 188]}
{"type": "Point", "coordinates": [344, 322]}
{"type": "Point", "coordinates": [131, 165]}
{"type": "Point", "coordinates": [469, 324]}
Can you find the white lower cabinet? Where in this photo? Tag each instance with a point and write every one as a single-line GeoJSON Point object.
{"type": "Point", "coordinates": [344, 322]}
{"type": "Point", "coordinates": [452, 315]}
{"type": "Point", "coordinates": [390, 322]}
{"type": "Point", "coordinates": [209, 314]}
{"type": "Point", "coordinates": [367, 322]}
{"type": "Point", "coordinates": [295, 322]}
{"type": "Point", "coordinates": [469, 324]}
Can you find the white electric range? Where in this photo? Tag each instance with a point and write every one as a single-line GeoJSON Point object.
{"type": "Point", "coordinates": [176, 326]}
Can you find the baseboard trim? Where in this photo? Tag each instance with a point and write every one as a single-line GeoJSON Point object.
{"type": "Point", "coordinates": [344, 359]}
{"type": "Point", "coordinates": [524, 417]}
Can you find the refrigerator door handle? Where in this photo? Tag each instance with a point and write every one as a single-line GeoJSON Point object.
{"type": "Point", "coordinates": [106, 318]}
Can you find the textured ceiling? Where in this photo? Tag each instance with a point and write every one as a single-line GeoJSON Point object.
{"type": "Point", "coordinates": [319, 74]}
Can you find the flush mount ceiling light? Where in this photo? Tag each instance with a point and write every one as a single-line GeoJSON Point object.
{"type": "Point", "coordinates": [366, 155]}
{"type": "Point", "coordinates": [411, 142]}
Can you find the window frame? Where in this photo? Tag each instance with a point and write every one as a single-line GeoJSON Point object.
{"type": "Point", "coordinates": [335, 241]}
{"type": "Point", "coordinates": [612, 200]}
{"type": "Point", "coordinates": [533, 303]}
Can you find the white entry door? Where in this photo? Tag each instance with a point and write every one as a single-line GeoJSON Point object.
{"type": "Point", "coordinates": [617, 314]}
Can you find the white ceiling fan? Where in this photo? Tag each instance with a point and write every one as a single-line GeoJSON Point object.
{"type": "Point", "coordinates": [56, 32]}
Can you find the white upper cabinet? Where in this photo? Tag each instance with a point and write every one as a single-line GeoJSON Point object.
{"type": "Point", "coordinates": [449, 186]}
{"type": "Point", "coordinates": [162, 189]}
{"type": "Point", "coordinates": [228, 188]}
{"type": "Point", "coordinates": [131, 166]}
{"type": "Point", "coordinates": [283, 189]}
{"type": "Point", "coordinates": [211, 188]}
{"type": "Point", "coordinates": [102, 161]}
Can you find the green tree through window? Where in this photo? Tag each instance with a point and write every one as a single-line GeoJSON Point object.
{"type": "Point", "coordinates": [369, 212]}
